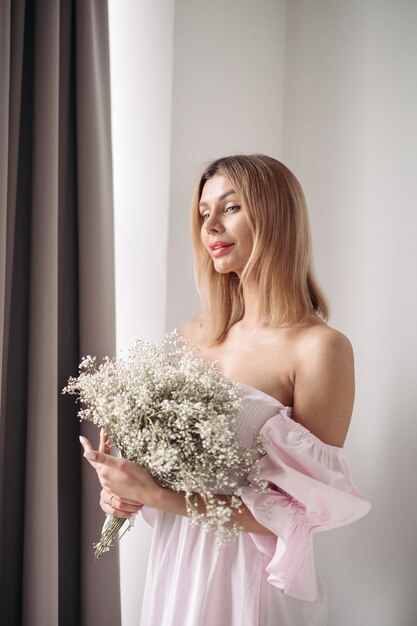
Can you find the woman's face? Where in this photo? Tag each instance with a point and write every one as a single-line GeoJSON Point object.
{"type": "Point", "coordinates": [225, 230]}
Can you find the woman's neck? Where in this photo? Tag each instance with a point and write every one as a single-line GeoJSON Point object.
{"type": "Point", "coordinates": [252, 299]}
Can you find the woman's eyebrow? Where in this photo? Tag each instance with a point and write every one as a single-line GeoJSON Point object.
{"type": "Point", "coordinates": [222, 197]}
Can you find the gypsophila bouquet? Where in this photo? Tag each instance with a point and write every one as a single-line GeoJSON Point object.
{"type": "Point", "coordinates": [170, 411]}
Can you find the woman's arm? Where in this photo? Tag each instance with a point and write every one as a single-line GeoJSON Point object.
{"type": "Point", "coordinates": [324, 385]}
{"type": "Point", "coordinates": [173, 502]}
{"type": "Point", "coordinates": [126, 487]}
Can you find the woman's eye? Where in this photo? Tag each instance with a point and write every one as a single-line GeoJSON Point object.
{"type": "Point", "coordinates": [229, 209]}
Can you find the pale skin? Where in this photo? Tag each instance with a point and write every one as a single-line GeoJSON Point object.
{"type": "Point", "coordinates": [308, 366]}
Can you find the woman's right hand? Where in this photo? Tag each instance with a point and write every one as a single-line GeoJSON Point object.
{"type": "Point", "coordinates": [109, 502]}
{"type": "Point", "coordinates": [118, 507]}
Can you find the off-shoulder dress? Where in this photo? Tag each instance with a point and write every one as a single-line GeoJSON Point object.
{"type": "Point", "coordinates": [259, 579]}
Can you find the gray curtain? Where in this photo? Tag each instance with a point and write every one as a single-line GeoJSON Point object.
{"type": "Point", "coordinates": [56, 304]}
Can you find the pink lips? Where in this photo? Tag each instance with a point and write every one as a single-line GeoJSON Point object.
{"type": "Point", "coordinates": [219, 247]}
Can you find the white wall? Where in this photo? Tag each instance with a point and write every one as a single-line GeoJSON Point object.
{"type": "Point", "coordinates": [141, 41]}
{"type": "Point", "coordinates": [351, 136]}
{"type": "Point", "coordinates": [328, 87]}
{"type": "Point", "coordinates": [228, 92]}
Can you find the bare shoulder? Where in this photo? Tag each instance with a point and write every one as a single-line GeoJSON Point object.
{"type": "Point", "coordinates": [193, 330]}
{"type": "Point", "coordinates": [321, 342]}
{"type": "Point", "coordinates": [324, 383]}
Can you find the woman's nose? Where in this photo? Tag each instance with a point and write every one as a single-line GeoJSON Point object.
{"type": "Point", "coordinates": [213, 224]}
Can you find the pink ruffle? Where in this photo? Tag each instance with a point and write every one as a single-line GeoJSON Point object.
{"type": "Point", "coordinates": [311, 490]}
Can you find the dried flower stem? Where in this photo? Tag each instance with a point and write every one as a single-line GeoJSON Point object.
{"type": "Point", "coordinates": [111, 531]}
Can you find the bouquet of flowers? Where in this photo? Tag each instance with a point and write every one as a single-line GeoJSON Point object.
{"type": "Point", "coordinates": [170, 411]}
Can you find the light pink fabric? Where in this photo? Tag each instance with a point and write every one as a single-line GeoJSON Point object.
{"type": "Point", "coordinates": [258, 580]}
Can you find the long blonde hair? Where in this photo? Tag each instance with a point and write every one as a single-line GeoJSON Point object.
{"type": "Point", "coordinates": [281, 259]}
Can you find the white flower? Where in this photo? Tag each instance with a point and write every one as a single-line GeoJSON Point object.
{"type": "Point", "coordinates": [170, 411]}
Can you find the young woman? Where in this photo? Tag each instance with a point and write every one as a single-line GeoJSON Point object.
{"type": "Point", "coordinates": [263, 321]}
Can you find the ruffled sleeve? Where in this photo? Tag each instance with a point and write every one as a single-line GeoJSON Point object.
{"type": "Point", "coordinates": [311, 490]}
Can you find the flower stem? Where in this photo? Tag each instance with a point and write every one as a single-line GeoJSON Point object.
{"type": "Point", "coordinates": [108, 535]}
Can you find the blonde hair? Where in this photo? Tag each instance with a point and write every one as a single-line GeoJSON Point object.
{"type": "Point", "coordinates": [281, 258]}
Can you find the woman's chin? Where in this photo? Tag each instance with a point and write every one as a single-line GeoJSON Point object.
{"type": "Point", "coordinates": [223, 269]}
{"type": "Point", "coordinates": [222, 266]}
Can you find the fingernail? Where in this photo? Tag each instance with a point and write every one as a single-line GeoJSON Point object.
{"type": "Point", "coordinates": [90, 455]}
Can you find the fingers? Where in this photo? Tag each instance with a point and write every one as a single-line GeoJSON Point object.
{"type": "Point", "coordinates": [103, 463]}
{"type": "Point", "coordinates": [104, 448]}
{"type": "Point", "coordinates": [90, 454]}
{"type": "Point", "coordinates": [132, 482]}
{"type": "Point", "coordinates": [85, 443]}
{"type": "Point", "coordinates": [93, 457]}
{"type": "Point", "coordinates": [102, 443]}
{"type": "Point", "coordinates": [118, 507]}
{"type": "Point", "coordinates": [105, 442]}
{"type": "Point", "coordinates": [87, 447]}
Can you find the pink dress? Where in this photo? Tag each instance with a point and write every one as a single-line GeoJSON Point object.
{"type": "Point", "coordinates": [257, 580]}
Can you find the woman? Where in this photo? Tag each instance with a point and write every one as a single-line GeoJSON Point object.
{"type": "Point", "coordinates": [263, 322]}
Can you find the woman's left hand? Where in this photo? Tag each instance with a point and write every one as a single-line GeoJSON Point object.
{"type": "Point", "coordinates": [122, 481]}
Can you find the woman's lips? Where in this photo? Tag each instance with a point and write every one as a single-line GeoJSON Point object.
{"type": "Point", "coordinates": [219, 247]}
